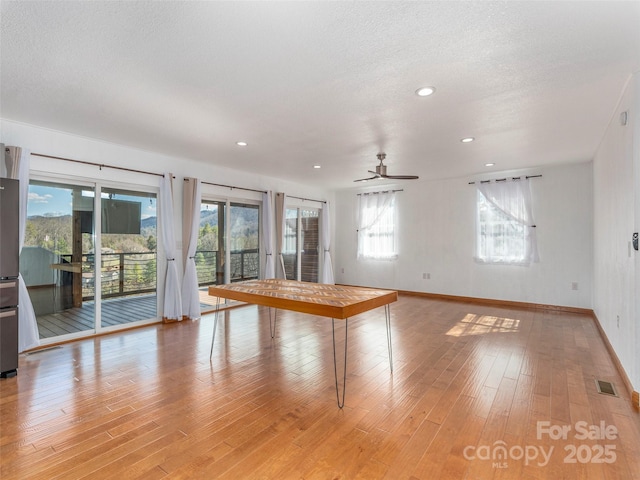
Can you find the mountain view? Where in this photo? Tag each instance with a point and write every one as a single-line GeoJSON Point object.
{"type": "Point", "coordinates": [54, 233]}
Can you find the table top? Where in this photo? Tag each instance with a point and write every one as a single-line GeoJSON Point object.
{"type": "Point", "coordinates": [335, 301]}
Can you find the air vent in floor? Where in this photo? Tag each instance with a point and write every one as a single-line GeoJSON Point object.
{"type": "Point", "coordinates": [606, 388]}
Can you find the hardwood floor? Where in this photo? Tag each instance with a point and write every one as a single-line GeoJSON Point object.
{"type": "Point", "coordinates": [469, 383]}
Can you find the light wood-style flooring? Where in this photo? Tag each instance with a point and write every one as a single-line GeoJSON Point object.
{"type": "Point", "coordinates": [477, 392]}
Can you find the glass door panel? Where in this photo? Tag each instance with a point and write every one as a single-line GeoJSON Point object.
{"type": "Point", "coordinates": [210, 256]}
{"type": "Point", "coordinates": [210, 252]}
{"type": "Point", "coordinates": [128, 264]}
{"type": "Point", "coordinates": [301, 244]}
{"type": "Point", "coordinates": [244, 242]}
{"type": "Point", "coordinates": [57, 261]}
{"type": "Point", "coordinates": [309, 253]}
{"type": "Point", "coordinates": [290, 247]}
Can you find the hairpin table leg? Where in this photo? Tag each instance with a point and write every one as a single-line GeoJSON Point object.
{"type": "Point", "coordinates": [215, 326]}
{"type": "Point", "coordinates": [387, 313]}
{"type": "Point", "coordinates": [272, 323]}
{"type": "Point", "coordinates": [335, 364]}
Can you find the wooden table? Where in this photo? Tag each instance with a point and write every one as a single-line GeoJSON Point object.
{"type": "Point", "coordinates": [334, 301]}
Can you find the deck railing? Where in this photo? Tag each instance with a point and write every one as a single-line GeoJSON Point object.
{"type": "Point", "coordinates": [129, 273]}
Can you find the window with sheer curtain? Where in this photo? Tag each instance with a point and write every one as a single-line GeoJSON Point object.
{"type": "Point", "coordinates": [505, 229]}
{"type": "Point", "coordinates": [377, 233]}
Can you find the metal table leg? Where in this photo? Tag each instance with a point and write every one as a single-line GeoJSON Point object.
{"type": "Point", "coordinates": [387, 313]}
{"type": "Point", "coordinates": [335, 364]}
{"type": "Point", "coordinates": [272, 323]}
{"type": "Point", "coordinates": [215, 326]}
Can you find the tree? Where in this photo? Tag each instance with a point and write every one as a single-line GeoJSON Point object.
{"type": "Point", "coordinates": [152, 243]}
{"type": "Point", "coordinates": [150, 272]}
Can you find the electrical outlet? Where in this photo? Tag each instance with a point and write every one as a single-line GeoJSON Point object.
{"type": "Point", "coordinates": [618, 320]}
{"type": "Point", "coordinates": [426, 276]}
{"type": "Point", "coordinates": [574, 285]}
{"type": "Point", "coordinates": [342, 270]}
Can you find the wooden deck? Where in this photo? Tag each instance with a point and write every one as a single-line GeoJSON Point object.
{"type": "Point", "coordinates": [115, 311]}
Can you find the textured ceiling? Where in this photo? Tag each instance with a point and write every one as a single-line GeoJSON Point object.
{"type": "Point", "coordinates": [328, 83]}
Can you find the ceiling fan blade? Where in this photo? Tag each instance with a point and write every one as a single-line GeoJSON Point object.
{"type": "Point", "coordinates": [401, 177]}
{"type": "Point", "coordinates": [381, 172]}
{"type": "Point", "coordinates": [367, 179]}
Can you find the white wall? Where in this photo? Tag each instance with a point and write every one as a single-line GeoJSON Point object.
{"type": "Point", "coordinates": [437, 236]}
{"type": "Point", "coordinates": [616, 217]}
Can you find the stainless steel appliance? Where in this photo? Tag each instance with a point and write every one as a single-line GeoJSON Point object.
{"type": "Point", "coordinates": [9, 269]}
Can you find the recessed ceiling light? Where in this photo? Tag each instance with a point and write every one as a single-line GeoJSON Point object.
{"type": "Point", "coordinates": [489, 164]}
{"type": "Point", "coordinates": [242, 144]}
{"type": "Point", "coordinates": [467, 139]}
{"type": "Point", "coordinates": [425, 91]}
{"type": "Point", "coordinates": [317, 166]}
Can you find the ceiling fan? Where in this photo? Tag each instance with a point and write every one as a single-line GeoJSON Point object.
{"type": "Point", "coordinates": [381, 172]}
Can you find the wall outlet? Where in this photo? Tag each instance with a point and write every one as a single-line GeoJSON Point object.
{"type": "Point", "coordinates": [342, 270]}
{"type": "Point", "coordinates": [426, 276]}
{"type": "Point", "coordinates": [574, 285]}
{"type": "Point", "coordinates": [618, 320]}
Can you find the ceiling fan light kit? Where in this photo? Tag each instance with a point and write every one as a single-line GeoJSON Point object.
{"type": "Point", "coordinates": [381, 172]}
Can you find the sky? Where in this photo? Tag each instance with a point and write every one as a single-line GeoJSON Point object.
{"type": "Point", "coordinates": [47, 200]}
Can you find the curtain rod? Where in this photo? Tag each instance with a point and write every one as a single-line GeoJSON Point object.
{"type": "Point", "coordinates": [382, 191]}
{"type": "Point", "coordinates": [505, 179]}
{"type": "Point", "coordinates": [100, 165]}
{"type": "Point", "coordinates": [306, 199]}
{"type": "Point", "coordinates": [231, 187]}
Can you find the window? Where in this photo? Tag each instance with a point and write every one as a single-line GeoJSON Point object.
{"type": "Point", "coordinates": [377, 225]}
{"type": "Point", "coordinates": [505, 231]}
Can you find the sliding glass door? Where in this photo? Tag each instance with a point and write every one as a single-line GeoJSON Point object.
{"type": "Point", "coordinates": [210, 252]}
{"type": "Point", "coordinates": [65, 240]}
{"type": "Point", "coordinates": [244, 241]}
{"type": "Point", "coordinates": [128, 266]}
{"type": "Point", "coordinates": [57, 260]}
{"type": "Point", "coordinates": [228, 244]}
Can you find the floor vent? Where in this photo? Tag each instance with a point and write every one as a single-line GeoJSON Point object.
{"type": "Point", "coordinates": [41, 350]}
{"type": "Point", "coordinates": [606, 388]}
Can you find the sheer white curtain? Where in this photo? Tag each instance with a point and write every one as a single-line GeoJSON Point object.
{"type": "Point", "coordinates": [190, 231]}
{"type": "Point", "coordinates": [325, 235]}
{"type": "Point", "coordinates": [172, 298]}
{"type": "Point", "coordinates": [280, 219]}
{"type": "Point", "coordinates": [267, 236]}
{"type": "Point", "coordinates": [28, 336]}
{"type": "Point", "coordinates": [513, 199]}
{"type": "Point", "coordinates": [377, 235]}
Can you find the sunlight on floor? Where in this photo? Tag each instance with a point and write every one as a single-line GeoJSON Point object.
{"type": "Point", "coordinates": [473, 324]}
